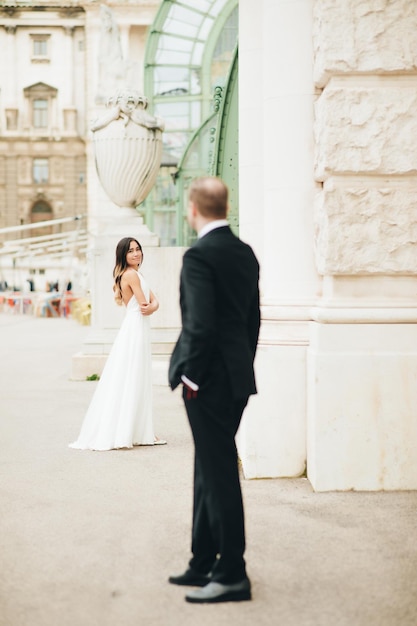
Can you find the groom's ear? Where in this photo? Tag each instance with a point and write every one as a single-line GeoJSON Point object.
{"type": "Point", "coordinates": [193, 209]}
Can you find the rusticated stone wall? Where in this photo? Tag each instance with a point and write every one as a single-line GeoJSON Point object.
{"type": "Point", "coordinates": [365, 69]}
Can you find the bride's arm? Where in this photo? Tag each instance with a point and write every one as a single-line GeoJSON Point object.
{"type": "Point", "coordinates": [151, 307]}
{"type": "Point", "coordinates": [130, 280]}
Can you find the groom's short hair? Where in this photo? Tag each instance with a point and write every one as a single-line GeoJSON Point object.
{"type": "Point", "coordinates": [210, 195]}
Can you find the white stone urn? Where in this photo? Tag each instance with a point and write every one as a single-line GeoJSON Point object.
{"type": "Point", "coordinates": [128, 148]}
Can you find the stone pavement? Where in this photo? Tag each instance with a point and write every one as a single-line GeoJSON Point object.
{"type": "Point", "coordinates": [89, 538]}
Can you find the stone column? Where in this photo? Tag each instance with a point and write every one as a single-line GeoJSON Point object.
{"type": "Point", "coordinates": [362, 370]}
{"type": "Point", "coordinates": [9, 89]}
{"type": "Point", "coordinates": [276, 98]}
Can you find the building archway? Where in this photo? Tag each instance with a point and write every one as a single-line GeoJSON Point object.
{"type": "Point", "coordinates": [41, 212]}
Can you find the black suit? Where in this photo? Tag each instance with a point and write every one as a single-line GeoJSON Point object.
{"type": "Point", "coordinates": [219, 299]}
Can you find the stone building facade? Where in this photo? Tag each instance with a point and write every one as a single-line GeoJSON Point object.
{"type": "Point", "coordinates": [327, 179]}
{"type": "Point", "coordinates": [332, 171]}
{"type": "Point", "coordinates": [61, 60]}
{"type": "Point", "coordinates": [42, 113]}
{"type": "Point", "coordinates": [327, 174]}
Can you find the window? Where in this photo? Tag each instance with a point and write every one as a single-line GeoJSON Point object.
{"type": "Point", "coordinates": [40, 113]}
{"type": "Point", "coordinates": [40, 47]}
{"type": "Point", "coordinates": [40, 171]}
{"type": "Point", "coordinates": [40, 101]}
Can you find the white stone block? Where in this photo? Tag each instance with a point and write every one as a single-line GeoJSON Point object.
{"type": "Point", "coordinates": [287, 268]}
{"type": "Point", "coordinates": [84, 365]}
{"type": "Point", "coordinates": [362, 407]}
{"type": "Point", "coordinates": [362, 229]}
{"type": "Point", "coordinates": [367, 36]}
{"type": "Point", "coordinates": [272, 435]}
{"type": "Point", "coordinates": [162, 268]}
{"type": "Point", "coordinates": [288, 47]}
{"type": "Point", "coordinates": [288, 141]}
{"type": "Point", "coordinates": [368, 129]}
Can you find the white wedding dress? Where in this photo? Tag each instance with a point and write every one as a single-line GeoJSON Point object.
{"type": "Point", "coordinates": [120, 412]}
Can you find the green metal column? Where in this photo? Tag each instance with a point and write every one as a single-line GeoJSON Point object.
{"type": "Point", "coordinates": [226, 157]}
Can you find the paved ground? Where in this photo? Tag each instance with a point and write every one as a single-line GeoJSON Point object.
{"type": "Point", "coordinates": [89, 538]}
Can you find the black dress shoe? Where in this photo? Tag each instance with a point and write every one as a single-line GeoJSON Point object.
{"type": "Point", "coordinates": [218, 592]}
{"type": "Point", "coordinates": [190, 578]}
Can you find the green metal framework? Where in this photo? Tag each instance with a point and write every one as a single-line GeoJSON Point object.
{"type": "Point", "coordinates": [226, 159]}
{"type": "Point", "coordinates": [189, 51]}
{"type": "Point", "coordinates": [198, 160]}
{"type": "Point", "coordinates": [213, 150]}
{"type": "Point", "coordinates": [187, 55]}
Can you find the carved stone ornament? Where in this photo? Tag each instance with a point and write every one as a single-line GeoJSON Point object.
{"type": "Point", "coordinates": [128, 148]}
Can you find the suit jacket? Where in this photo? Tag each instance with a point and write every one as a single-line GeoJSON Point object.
{"type": "Point", "coordinates": [219, 299]}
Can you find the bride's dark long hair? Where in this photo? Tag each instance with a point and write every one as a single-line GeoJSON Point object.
{"type": "Point", "coordinates": [120, 267]}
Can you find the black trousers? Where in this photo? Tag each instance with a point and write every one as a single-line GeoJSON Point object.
{"type": "Point", "coordinates": [218, 533]}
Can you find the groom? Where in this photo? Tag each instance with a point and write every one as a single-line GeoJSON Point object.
{"type": "Point", "coordinates": [213, 359]}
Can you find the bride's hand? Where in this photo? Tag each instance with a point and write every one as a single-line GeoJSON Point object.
{"type": "Point", "coordinates": [146, 308]}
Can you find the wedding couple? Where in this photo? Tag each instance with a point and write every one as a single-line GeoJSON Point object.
{"type": "Point", "coordinates": [213, 360]}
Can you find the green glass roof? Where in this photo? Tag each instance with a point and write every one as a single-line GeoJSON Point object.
{"type": "Point", "coordinates": [188, 54]}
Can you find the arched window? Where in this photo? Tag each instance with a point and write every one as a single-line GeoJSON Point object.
{"type": "Point", "coordinates": [41, 212]}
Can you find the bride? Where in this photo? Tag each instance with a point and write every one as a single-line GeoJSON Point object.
{"type": "Point", "coordinates": [120, 412]}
